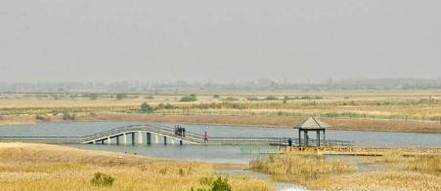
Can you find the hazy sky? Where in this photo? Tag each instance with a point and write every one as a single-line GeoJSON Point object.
{"type": "Point", "coordinates": [227, 40]}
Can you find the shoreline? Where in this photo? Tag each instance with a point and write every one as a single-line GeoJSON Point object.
{"type": "Point", "coordinates": [240, 120]}
{"type": "Point", "coordinates": [348, 129]}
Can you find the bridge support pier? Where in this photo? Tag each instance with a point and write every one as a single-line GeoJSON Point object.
{"type": "Point", "coordinates": [133, 139]}
{"type": "Point", "coordinates": [117, 140]}
{"type": "Point", "coordinates": [109, 141]}
{"type": "Point", "coordinates": [148, 137]}
{"type": "Point", "coordinates": [156, 138]}
{"type": "Point", "coordinates": [102, 141]}
{"type": "Point", "coordinates": [140, 137]}
{"type": "Point", "coordinates": [124, 138]}
{"type": "Point", "coordinates": [165, 140]}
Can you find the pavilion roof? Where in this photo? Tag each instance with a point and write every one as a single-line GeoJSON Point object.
{"type": "Point", "coordinates": [312, 123]}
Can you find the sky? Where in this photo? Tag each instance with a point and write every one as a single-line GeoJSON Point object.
{"type": "Point", "coordinates": [227, 40]}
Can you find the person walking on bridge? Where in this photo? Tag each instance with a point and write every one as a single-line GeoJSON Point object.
{"type": "Point", "coordinates": [205, 137]}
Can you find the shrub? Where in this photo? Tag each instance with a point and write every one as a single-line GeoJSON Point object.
{"type": "Point", "coordinates": [272, 98]}
{"type": "Point", "coordinates": [221, 184]}
{"type": "Point", "coordinates": [149, 97]}
{"type": "Point", "coordinates": [169, 106]}
{"type": "Point", "coordinates": [121, 96]}
{"type": "Point", "coordinates": [146, 108]}
{"type": "Point", "coordinates": [68, 116]}
{"type": "Point", "coordinates": [93, 96]}
{"type": "Point", "coordinates": [231, 99]}
{"type": "Point", "coordinates": [101, 179]}
{"type": "Point", "coordinates": [212, 184]}
{"type": "Point", "coordinates": [40, 118]}
{"type": "Point", "coordinates": [189, 98]}
{"type": "Point", "coordinates": [253, 98]}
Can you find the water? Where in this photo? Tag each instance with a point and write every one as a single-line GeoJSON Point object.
{"type": "Point", "coordinates": [60, 129]}
{"type": "Point", "coordinates": [358, 138]}
{"type": "Point", "coordinates": [235, 154]}
{"type": "Point", "coordinates": [200, 153]}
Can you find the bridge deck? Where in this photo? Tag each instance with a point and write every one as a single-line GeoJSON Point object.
{"type": "Point", "coordinates": [166, 131]}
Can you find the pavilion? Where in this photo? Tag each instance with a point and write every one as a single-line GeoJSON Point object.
{"type": "Point", "coordinates": [314, 125]}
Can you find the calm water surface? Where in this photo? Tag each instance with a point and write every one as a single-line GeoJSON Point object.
{"type": "Point", "coordinates": [218, 154]}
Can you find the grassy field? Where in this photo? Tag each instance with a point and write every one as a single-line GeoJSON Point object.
{"type": "Point", "coordinates": [356, 169]}
{"type": "Point", "coordinates": [418, 111]}
{"type": "Point", "coordinates": [43, 167]}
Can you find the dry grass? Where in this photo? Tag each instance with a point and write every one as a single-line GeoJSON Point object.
{"type": "Point", "coordinates": [373, 111]}
{"type": "Point", "coordinates": [301, 168]}
{"type": "Point", "coordinates": [395, 169]}
{"type": "Point", "coordinates": [388, 180]}
{"type": "Point", "coordinates": [425, 164]}
{"type": "Point", "coordinates": [48, 167]}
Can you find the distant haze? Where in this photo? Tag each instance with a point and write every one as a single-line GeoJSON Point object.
{"type": "Point", "coordinates": [226, 40]}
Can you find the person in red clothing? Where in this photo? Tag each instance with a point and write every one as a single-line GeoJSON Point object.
{"type": "Point", "coordinates": [205, 137]}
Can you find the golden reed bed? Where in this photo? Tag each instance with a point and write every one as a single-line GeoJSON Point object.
{"type": "Point", "coordinates": [35, 167]}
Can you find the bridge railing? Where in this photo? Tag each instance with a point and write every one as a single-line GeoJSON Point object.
{"type": "Point", "coordinates": [197, 138]}
{"type": "Point", "coordinates": [165, 130]}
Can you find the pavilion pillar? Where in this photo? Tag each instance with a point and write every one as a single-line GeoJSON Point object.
{"type": "Point", "coordinates": [306, 138]}
{"type": "Point", "coordinates": [133, 139]}
{"type": "Point", "coordinates": [318, 138]}
{"type": "Point", "coordinates": [300, 137]}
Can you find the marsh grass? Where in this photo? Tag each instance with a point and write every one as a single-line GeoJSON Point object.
{"type": "Point", "coordinates": [37, 167]}
{"type": "Point", "coordinates": [301, 168]}
{"type": "Point", "coordinates": [425, 164]}
{"type": "Point", "coordinates": [375, 111]}
{"type": "Point", "coordinates": [396, 169]}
